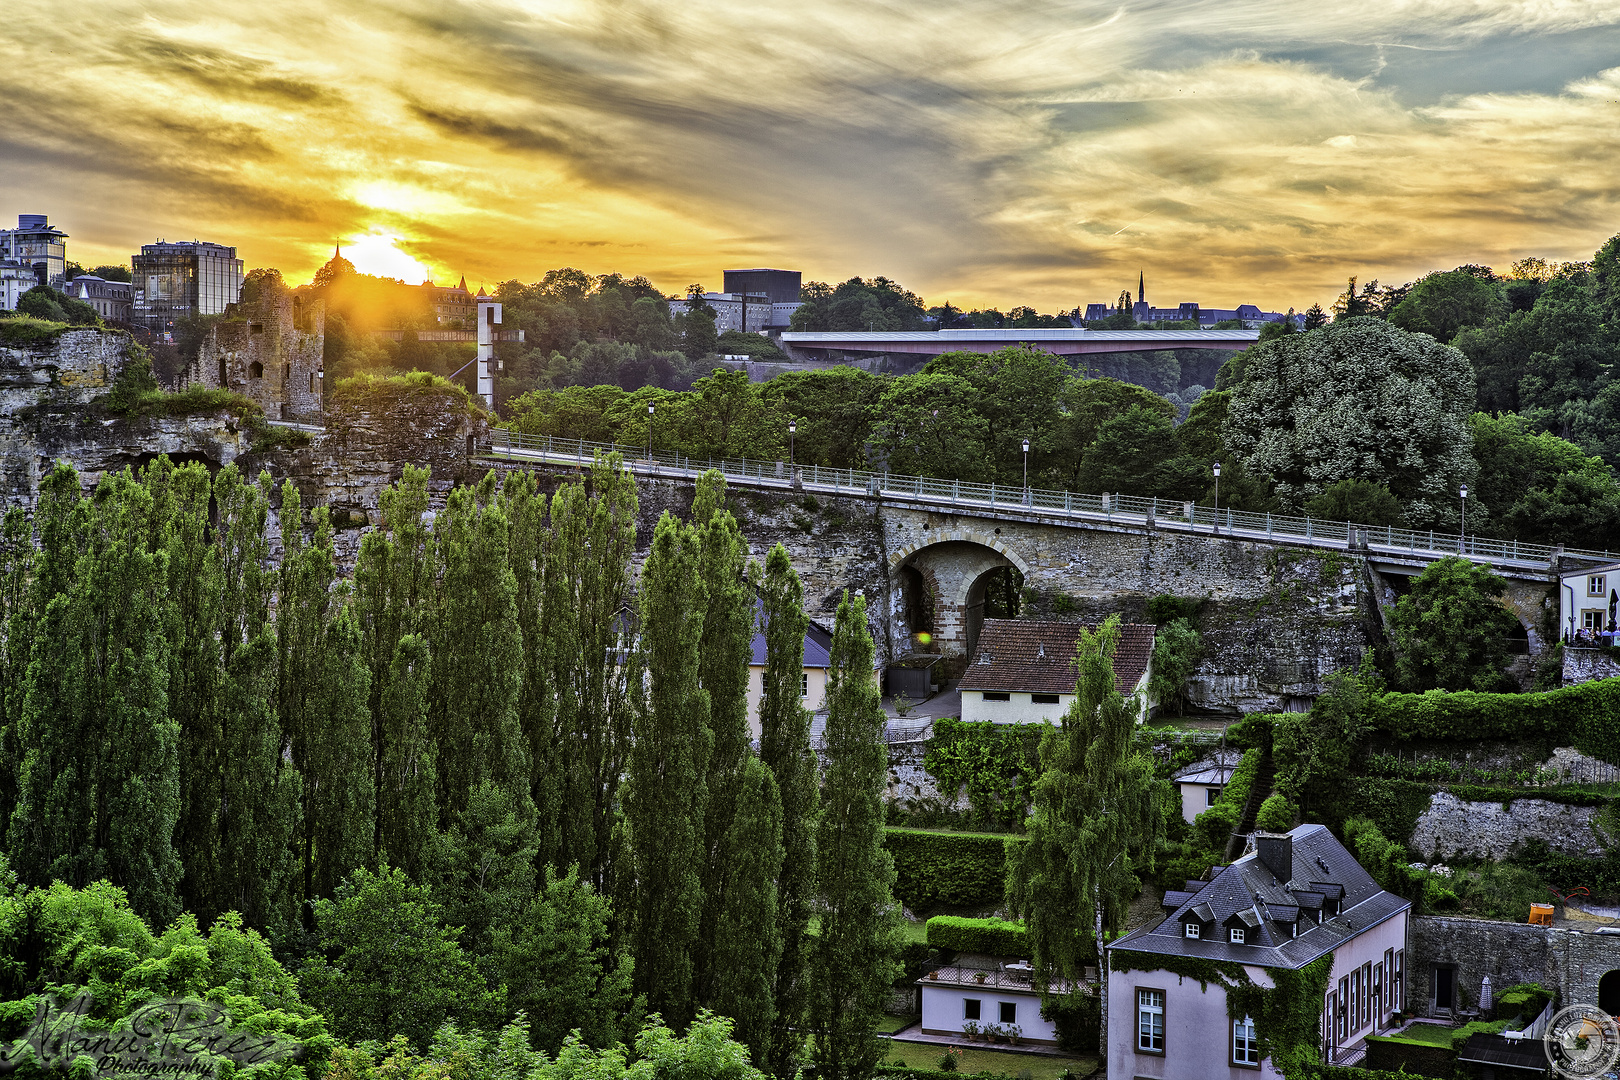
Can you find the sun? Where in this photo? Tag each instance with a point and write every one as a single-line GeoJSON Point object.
{"type": "Point", "coordinates": [379, 253]}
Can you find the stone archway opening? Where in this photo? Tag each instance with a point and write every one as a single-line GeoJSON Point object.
{"type": "Point", "coordinates": [916, 609]}
{"type": "Point", "coordinates": [1609, 992]}
{"type": "Point", "coordinates": [995, 594]}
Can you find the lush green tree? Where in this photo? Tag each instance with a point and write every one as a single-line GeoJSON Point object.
{"type": "Point", "coordinates": [747, 942]}
{"type": "Point", "coordinates": [99, 784]}
{"type": "Point", "coordinates": [44, 302]}
{"type": "Point", "coordinates": [1441, 304]}
{"type": "Point", "coordinates": [1357, 400]}
{"type": "Point", "coordinates": [1177, 648]}
{"type": "Point", "coordinates": [1098, 812]}
{"type": "Point", "coordinates": [667, 799]}
{"type": "Point", "coordinates": [1451, 628]}
{"type": "Point", "coordinates": [1018, 391]}
{"type": "Point", "coordinates": [784, 747]}
{"type": "Point", "coordinates": [556, 960]}
{"type": "Point", "coordinates": [388, 965]}
{"type": "Point", "coordinates": [1129, 452]}
{"type": "Point", "coordinates": [834, 409]}
{"type": "Point", "coordinates": [875, 304]}
{"type": "Point", "coordinates": [1315, 317]}
{"type": "Point", "coordinates": [1361, 501]}
{"type": "Point", "coordinates": [1581, 509]}
{"type": "Point", "coordinates": [853, 961]}
{"type": "Point", "coordinates": [484, 865]}
{"type": "Point", "coordinates": [928, 424]}
{"type": "Point", "coordinates": [405, 778]}
{"type": "Point", "coordinates": [17, 618]}
{"type": "Point", "coordinates": [698, 336]}
{"type": "Point", "coordinates": [1314, 752]}
{"type": "Point", "coordinates": [574, 412]}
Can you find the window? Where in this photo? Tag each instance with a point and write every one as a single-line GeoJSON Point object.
{"type": "Point", "coordinates": [1245, 1045]}
{"type": "Point", "coordinates": [989, 696]}
{"type": "Point", "coordinates": [1328, 1014]}
{"type": "Point", "coordinates": [1150, 1021]}
{"type": "Point", "coordinates": [1344, 1015]}
{"type": "Point", "coordinates": [970, 1009]}
{"type": "Point", "coordinates": [1397, 982]}
{"type": "Point", "coordinates": [1366, 995]}
{"type": "Point", "coordinates": [1237, 935]}
{"type": "Point", "coordinates": [1044, 699]}
{"type": "Point", "coordinates": [1213, 795]}
{"type": "Point", "coordinates": [256, 328]}
{"type": "Point", "coordinates": [1596, 585]}
{"type": "Point", "coordinates": [1378, 994]}
{"type": "Point", "coordinates": [804, 684]}
{"type": "Point", "coordinates": [312, 382]}
{"type": "Point", "coordinates": [1192, 930]}
{"type": "Point", "coordinates": [1009, 1012]}
{"type": "Point", "coordinates": [1592, 620]}
{"type": "Point", "coordinates": [255, 370]}
{"type": "Point", "coordinates": [1355, 1001]}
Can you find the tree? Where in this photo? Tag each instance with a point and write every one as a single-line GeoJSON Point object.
{"type": "Point", "coordinates": [747, 942]}
{"type": "Point", "coordinates": [1177, 648]}
{"type": "Point", "coordinates": [1098, 809]}
{"type": "Point", "coordinates": [555, 959]}
{"type": "Point", "coordinates": [1315, 752]}
{"type": "Point", "coordinates": [1357, 400]}
{"type": "Point", "coordinates": [1442, 304]}
{"type": "Point", "coordinates": [698, 335]}
{"type": "Point", "coordinates": [929, 424]}
{"type": "Point", "coordinates": [667, 799]}
{"type": "Point", "coordinates": [784, 747]}
{"type": "Point", "coordinates": [388, 964]}
{"type": "Point", "coordinates": [1129, 452]}
{"type": "Point", "coordinates": [1451, 628]}
{"type": "Point", "coordinates": [834, 408]}
{"type": "Point", "coordinates": [1315, 317]}
{"type": "Point", "coordinates": [1360, 501]}
{"type": "Point", "coordinates": [854, 958]}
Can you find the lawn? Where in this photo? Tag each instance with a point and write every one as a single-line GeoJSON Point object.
{"type": "Point", "coordinates": [917, 930]}
{"type": "Point", "coordinates": [1428, 1034]}
{"type": "Point", "coordinates": [1023, 1066]}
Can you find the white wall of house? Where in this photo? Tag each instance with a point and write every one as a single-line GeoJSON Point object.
{"type": "Point", "coordinates": [1195, 799]}
{"type": "Point", "coordinates": [815, 700]}
{"type": "Point", "coordinates": [944, 1009]}
{"type": "Point", "coordinates": [1019, 708]}
{"type": "Point", "coordinates": [1583, 597]}
{"type": "Point", "coordinates": [1197, 1031]}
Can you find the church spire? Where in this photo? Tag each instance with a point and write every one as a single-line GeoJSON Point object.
{"type": "Point", "coordinates": [1141, 287]}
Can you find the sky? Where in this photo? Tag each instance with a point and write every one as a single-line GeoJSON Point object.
{"type": "Point", "coordinates": [986, 152]}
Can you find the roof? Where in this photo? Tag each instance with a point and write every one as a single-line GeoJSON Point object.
{"type": "Point", "coordinates": [1249, 892]}
{"type": "Point", "coordinates": [1586, 571]}
{"type": "Point", "coordinates": [817, 641]}
{"type": "Point", "coordinates": [1037, 656]}
{"type": "Point", "coordinates": [1486, 1049]}
{"type": "Point", "coordinates": [1215, 769]}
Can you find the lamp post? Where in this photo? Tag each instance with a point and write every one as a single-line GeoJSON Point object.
{"type": "Point", "coordinates": [1026, 472]}
{"type": "Point", "coordinates": [649, 433]}
{"type": "Point", "coordinates": [1217, 496]}
{"type": "Point", "coordinates": [1462, 531]}
{"type": "Point", "coordinates": [793, 427]}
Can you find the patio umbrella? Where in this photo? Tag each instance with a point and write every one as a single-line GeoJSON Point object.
{"type": "Point", "coordinates": [1614, 600]}
{"type": "Point", "coordinates": [1485, 994]}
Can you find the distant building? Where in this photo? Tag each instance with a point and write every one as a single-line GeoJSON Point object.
{"type": "Point", "coordinates": [269, 350]}
{"type": "Point", "coordinates": [748, 312]}
{"type": "Point", "coordinates": [451, 303]}
{"type": "Point", "coordinates": [37, 246]}
{"type": "Point", "coordinates": [15, 279]}
{"type": "Point", "coordinates": [1249, 315]}
{"type": "Point", "coordinates": [1201, 783]}
{"type": "Point", "coordinates": [180, 280]}
{"type": "Point", "coordinates": [113, 300]}
{"type": "Point", "coordinates": [812, 680]}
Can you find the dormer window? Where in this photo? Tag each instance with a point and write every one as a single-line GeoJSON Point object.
{"type": "Point", "coordinates": [1192, 930]}
{"type": "Point", "coordinates": [1237, 935]}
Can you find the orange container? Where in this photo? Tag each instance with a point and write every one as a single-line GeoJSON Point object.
{"type": "Point", "coordinates": [1541, 914]}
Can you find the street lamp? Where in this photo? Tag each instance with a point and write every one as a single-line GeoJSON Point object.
{"type": "Point", "coordinates": [1217, 496]}
{"type": "Point", "coordinates": [649, 432]}
{"type": "Point", "coordinates": [1462, 532]}
{"type": "Point", "coordinates": [793, 426]}
{"type": "Point", "coordinates": [1026, 471]}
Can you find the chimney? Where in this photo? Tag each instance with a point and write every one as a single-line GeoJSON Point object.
{"type": "Point", "coordinates": [1276, 852]}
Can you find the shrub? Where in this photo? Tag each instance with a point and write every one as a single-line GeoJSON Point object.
{"type": "Point", "coordinates": [1587, 715]}
{"type": "Point", "coordinates": [993, 937]}
{"type": "Point", "coordinates": [996, 763]}
{"type": "Point", "coordinates": [1276, 814]}
{"type": "Point", "coordinates": [934, 868]}
{"type": "Point", "coordinates": [1214, 826]}
{"type": "Point", "coordinates": [1385, 861]}
{"type": "Point", "coordinates": [1164, 608]}
{"type": "Point", "coordinates": [1176, 650]}
{"type": "Point", "coordinates": [1076, 1017]}
{"type": "Point", "coordinates": [27, 330]}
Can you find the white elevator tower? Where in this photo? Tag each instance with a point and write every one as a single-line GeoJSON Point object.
{"type": "Point", "coordinates": [489, 317]}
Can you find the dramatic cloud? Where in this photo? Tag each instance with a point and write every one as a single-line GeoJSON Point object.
{"type": "Point", "coordinates": [984, 151]}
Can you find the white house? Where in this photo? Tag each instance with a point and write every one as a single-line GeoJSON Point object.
{"type": "Point", "coordinates": [812, 681]}
{"type": "Point", "coordinates": [1200, 783]}
{"type": "Point", "coordinates": [1588, 599]}
{"type": "Point", "coordinates": [1022, 670]}
{"type": "Point", "coordinates": [1000, 994]}
{"type": "Point", "coordinates": [1290, 900]}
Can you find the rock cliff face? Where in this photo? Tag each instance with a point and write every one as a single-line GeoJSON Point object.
{"type": "Point", "coordinates": [1451, 827]}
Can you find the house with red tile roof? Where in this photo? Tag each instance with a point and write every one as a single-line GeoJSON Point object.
{"type": "Point", "coordinates": [1022, 670]}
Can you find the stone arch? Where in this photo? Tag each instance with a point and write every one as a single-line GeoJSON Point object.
{"type": "Point", "coordinates": [1609, 992]}
{"type": "Point", "coordinates": [971, 536]}
{"type": "Point", "coordinates": [938, 581]}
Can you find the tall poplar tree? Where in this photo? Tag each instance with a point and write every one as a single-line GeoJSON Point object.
{"type": "Point", "coordinates": [785, 750]}
{"type": "Point", "coordinates": [1096, 801]}
{"type": "Point", "coordinates": [99, 786]}
{"type": "Point", "coordinates": [747, 941]}
{"type": "Point", "coordinates": [16, 646]}
{"type": "Point", "coordinates": [853, 962]}
{"type": "Point", "coordinates": [406, 779]}
{"type": "Point", "coordinates": [668, 794]}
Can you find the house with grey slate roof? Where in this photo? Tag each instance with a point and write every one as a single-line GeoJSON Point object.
{"type": "Point", "coordinates": [1291, 899]}
{"type": "Point", "coordinates": [812, 681]}
{"type": "Point", "coordinates": [1022, 670]}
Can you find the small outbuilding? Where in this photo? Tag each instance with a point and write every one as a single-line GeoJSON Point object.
{"type": "Point", "coordinates": [812, 680]}
{"type": "Point", "coordinates": [1200, 783]}
{"type": "Point", "coordinates": [995, 998]}
{"type": "Point", "coordinates": [1022, 670]}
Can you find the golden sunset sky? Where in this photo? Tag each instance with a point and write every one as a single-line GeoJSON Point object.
{"type": "Point", "coordinates": [986, 152]}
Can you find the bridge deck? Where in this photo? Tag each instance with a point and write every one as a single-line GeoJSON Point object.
{"type": "Point", "coordinates": [1056, 507]}
{"type": "Point", "coordinates": [1062, 341]}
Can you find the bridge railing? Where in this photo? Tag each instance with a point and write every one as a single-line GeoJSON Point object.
{"type": "Point", "coordinates": [1132, 509]}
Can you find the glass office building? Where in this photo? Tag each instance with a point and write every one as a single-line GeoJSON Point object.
{"type": "Point", "coordinates": [39, 247]}
{"type": "Point", "coordinates": [176, 281]}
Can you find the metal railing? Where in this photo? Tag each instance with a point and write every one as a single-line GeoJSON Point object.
{"type": "Point", "coordinates": [1042, 503]}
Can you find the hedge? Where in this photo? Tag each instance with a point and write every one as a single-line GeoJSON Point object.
{"type": "Point", "coordinates": [1585, 716]}
{"type": "Point", "coordinates": [993, 937]}
{"type": "Point", "coordinates": [938, 868]}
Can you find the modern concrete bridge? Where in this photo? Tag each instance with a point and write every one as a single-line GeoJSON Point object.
{"type": "Point", "coordinates": [1066, 341]}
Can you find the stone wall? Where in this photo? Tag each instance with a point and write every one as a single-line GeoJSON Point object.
{"type": "Point", "coordinates": [1568, 961]}
{"type": "Point", "coordinates": [1586, 665]}
{"type": "Point", "coordinates": [1451, 827]}
{"type": "Point", "coordinates": [270, 351]}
